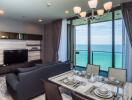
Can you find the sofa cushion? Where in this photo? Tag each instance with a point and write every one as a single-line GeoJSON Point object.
{"type": "Point", "coordinates": [22, 70]}
{"type": "Point", "coordinates": [12, 80]}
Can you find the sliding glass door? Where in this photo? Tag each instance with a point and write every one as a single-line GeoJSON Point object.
{"type": "Point", "coordinates": [118, 39]}
{"type": "Point", "coordinates": [101, 43]}
{"type": "Point", "coordinates": [81, 43]}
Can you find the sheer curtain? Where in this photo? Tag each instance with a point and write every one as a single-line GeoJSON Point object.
{"type": "Point", "coordinates": [127, 13]}
{"type": "Point", "coordinates": [128, 59]}
{"type": "Point", "coordinates": [62, 53]}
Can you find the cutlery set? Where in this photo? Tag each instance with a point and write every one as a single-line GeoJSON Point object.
{"type": "Point", "coordinates": [72, 82]}
{"type": "Point", "coordinates": [76, 85]}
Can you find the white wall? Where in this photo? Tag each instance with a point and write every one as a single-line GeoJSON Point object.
{"type": "Point", "coordinates": [11, 25]}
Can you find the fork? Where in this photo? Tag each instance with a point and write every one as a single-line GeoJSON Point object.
{"type": "Point", "coordinates": [76, 84]}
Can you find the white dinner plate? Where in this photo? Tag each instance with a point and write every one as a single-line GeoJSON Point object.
{"type": "Point", "coordinates": [105, 96]}
{"type": "Point", "coordinates": [103, 90]}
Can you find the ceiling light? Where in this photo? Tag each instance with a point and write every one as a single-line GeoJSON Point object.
{"type": "Point", "coordinates": [100, 12]}
{"type": "Point", "coordinates": [108, 5]}
{"type": "Point", "coordinates": [2, 12]}
{"type": "Point", "coordinates": [93, 6]}
{"type": "Point", "coordinates": [77, 9]}
{"type": "Point", "coordinates": [3, 36]}
{"type": "Point", "coordinates": [40, 20]}
{"type": "Point", "coordinates": [92, 3]}
{"type": "Point", "coordinates": [49, 3]}
{"type": "Point", "coordinates": [66, 11]}
{"type": "Point", "coordinates": [83, 14]}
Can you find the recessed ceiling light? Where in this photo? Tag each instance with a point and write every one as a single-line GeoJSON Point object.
{"type": "Point", "coordinates": [2, 12]}
{"type": "Point", "coordinates": [40, 20]}
{"type": "Point", "coordinates": [49, 3]}
{"type": "Point", "coordinates": [66, 12]}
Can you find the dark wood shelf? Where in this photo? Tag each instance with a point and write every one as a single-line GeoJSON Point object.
{"type": "Point", "coordinates": [20, 36]}
{"type": "Point", "coordinates": [34, 50]}
{"type": "Point", "coordinates": [32, 37]}
{"type": "Point", "coordinates": [33, 45]}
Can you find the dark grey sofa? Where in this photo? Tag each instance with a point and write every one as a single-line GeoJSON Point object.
{"type": "Point", "coordinates": [25, 85]}
{"type": "Point", "coordinates": [11, 68]}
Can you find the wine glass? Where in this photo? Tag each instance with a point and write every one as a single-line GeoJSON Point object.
{"type": "Point", "coordinates": [126, 92]}
{"type": "Point", "coordinates": [97, 77]}
{"type": "Point", "coordinates": [73, 69]}
{"type": "Point", "coordinates": [74, 72]}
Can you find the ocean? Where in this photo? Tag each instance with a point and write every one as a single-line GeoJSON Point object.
{"type": "Point", "coordinates": [100, 55]}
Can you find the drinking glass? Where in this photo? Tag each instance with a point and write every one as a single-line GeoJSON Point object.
{"type": "Point", "coordinates": [96, 77]}
{"type": "Point", "coordinates": [84, 73]}
{"type": "Point", "coordinates": [92, 78]}
{"type": "Point", "coordinates": [71, 68]}
{"type": "Point", "coordinates": [126, 92]}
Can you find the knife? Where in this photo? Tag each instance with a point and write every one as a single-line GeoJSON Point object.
{"type": "Point", "coordinates": [76, 84]}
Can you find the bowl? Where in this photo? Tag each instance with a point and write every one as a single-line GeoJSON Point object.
{"type": "Point", "coordinates": [103, 90]}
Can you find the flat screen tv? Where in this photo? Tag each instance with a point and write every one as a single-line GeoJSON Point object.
{"type": "Point", "coordinates": [15, 56]}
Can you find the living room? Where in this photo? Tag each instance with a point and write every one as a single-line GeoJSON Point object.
{"type": "Point", "coordinates": [65, 50]}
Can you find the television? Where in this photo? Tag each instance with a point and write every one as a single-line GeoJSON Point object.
{"type": "Point", "coordinates": [15, 56]}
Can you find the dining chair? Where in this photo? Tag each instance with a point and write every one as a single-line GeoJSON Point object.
{"type": "Point", "coordinates": [117, 73]}
{"type": "Point", "coordinates": [76, 96]}
{"type": "Point", "coordinates": [52, 92]}
{"type": "Point", "coordinates": [95, 69]}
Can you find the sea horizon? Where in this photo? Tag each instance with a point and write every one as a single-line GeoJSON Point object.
{"type": "Point", "coordinates": [100, 55]}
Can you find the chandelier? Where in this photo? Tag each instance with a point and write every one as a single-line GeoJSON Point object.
{"type": "Point", "coordinates": [92, 5]}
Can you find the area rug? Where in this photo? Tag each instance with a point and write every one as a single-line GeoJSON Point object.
{"type": "Point", "coordinates": [4, 95]}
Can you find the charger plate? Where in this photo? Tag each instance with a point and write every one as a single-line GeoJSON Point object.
{"type": "Point", "coordinates": [107, 95]}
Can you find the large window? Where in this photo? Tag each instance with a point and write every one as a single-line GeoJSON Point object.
{"type": "Point", "coordinates": [118, 39]}
{"type": "Point", "coordinates": [101, 43]}
{"type": "Point", "coordinates": [81, 43]}
{"type": "Point", "coordinates": [102, 37]}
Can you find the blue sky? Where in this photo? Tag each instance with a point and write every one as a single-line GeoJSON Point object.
{"type": "Point", "coordinates": [101, 33]}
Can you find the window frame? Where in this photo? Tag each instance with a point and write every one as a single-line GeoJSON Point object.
{"type": "Point", "coordinates": [89, 37]}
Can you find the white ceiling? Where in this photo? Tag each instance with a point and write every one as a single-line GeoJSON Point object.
{"type": "Point", "coordinates": [31, 10]}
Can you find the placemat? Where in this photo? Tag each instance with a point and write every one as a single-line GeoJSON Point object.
{"type": "Point", "coordinates": [121, 84]}
{"type": "Point", "coordinates": [73, 84]}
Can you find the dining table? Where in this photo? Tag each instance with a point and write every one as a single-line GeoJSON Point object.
{"type": "Point", "coordinates": [86, 87]}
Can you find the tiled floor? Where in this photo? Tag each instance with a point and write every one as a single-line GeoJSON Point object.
{"type": "Point", "coordinates": [4, 95]}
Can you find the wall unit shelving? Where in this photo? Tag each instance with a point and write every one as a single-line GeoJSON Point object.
{"type": "Point", "coordinates": [20, 36]}
{"type": "Point", "coordinates": [32, 42]}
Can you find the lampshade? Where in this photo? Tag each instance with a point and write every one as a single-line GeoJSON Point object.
{"type": "Point", "coordinates": [1, 12]}
{"type": "Point", "coordinates": [92, 3]}
{"type": "Point", "coordinates": [77, 10]}
{"type": "Point", "coordinates": [40, 20]}
{"type": "Point", "coordinates": [100, 12]}
{"type": "Point", "coordinates": [108, 6]}
{"type": "Point", "coordinates": [83, 14]}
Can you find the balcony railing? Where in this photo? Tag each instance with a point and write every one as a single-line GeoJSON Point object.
{"type": "Point", "coordinates": [102, 58]}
